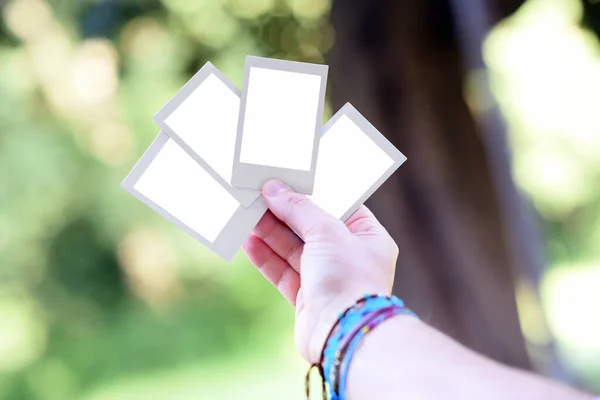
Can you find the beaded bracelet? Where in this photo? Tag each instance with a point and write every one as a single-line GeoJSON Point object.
{"type": "Point", "coordinates": [352, 325]}
{"type": "Point", "coordinates": [356, 340]}
{"type": "Point", "coordinates": [319, 365]}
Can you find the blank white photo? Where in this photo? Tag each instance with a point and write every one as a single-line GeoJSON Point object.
{"type": "Point", "coordinates": [207, 122]}
{"type": "Point", "coordinates": [202, 118]}
{"type": "Point", "coordinates": [279, 124]}
{"type": "Point", "coordinates": [177, 184]}
{"type": "Point", "coordinates": [173, 184]}
{"type": "Point", "coordinates": [354, 160]}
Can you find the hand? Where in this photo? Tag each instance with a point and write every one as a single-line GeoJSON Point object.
{"type": "Point", "coordinates": [333, 266]}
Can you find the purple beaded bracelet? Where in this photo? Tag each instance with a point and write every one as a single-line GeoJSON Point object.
{"type": "Point", "coordinates": [344, 336]}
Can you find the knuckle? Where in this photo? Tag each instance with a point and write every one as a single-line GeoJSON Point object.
{"type": "Point", "coordinates": [327, 228]}
{"type": "Point", "coordinates": [394, 247]}
{"type": "Point", "coordinates": [297, 199]}
{"type": "Point", "coordinates": [293, 251]}
{"type": "Point", "coordinates": [281, 279]}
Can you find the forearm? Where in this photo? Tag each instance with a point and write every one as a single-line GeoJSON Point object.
{"type": "Point", "coordinates": [405, 358]}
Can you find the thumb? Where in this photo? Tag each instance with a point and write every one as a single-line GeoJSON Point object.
{"type": "Point", "coordinates": [301, 214]}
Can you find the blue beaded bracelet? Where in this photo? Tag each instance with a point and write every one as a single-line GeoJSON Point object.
{"type": "Point", "coordinates": [343, 374]}
{"type": "Point", "coordinates": [352, 325]}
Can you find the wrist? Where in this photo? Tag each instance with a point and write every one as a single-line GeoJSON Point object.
{"type": "Point", "coordinates": [396, 336]}
{"type": "Point", "coordinates": [342, 340]}
{"type": "Point", "coordinates": [326, 318]}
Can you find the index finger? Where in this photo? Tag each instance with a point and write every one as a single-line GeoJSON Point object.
{"type": "Point", "coordinates": [363, 220]}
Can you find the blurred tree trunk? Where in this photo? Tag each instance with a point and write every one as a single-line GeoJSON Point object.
{"type": "Point", "coordinates": [463, 232]}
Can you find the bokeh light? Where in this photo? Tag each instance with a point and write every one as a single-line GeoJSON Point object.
{"type": "Point", "coordinates": [102, 299]}
{"type": "Point", "coordinates": [546, 73]}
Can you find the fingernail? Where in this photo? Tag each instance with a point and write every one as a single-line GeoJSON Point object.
{"type": "Point", "coordinates": [274, 187]}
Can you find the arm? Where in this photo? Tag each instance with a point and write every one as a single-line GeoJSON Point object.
{"type": "Point", "coordinates": [405, 358]}
{"type": "Point", "coordinates": [336, 263]}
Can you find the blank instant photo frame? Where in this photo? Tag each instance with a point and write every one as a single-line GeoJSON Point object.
{"type": "Point", "coordinates": [202, 119]}
{"type": "Point", "coordinates": [354, 160]}
{"type": "Point", "coordinates": [172, 183]}
{"type": "Point", "coordinates": [280, 118]}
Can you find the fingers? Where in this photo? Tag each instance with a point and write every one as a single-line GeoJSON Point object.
{"type": "Point", "coordinates": [273, 267]}
{"type": "Point", "coordinates": [362, 213]}
{"type": "Point", "coordinates": [363, 221]}
{"type": "Point", "coordinates": [280, 238]}
{"type": "Point", "coordinates": [364, 224]}
{"type": "Point", "coordinates": [299, 212]}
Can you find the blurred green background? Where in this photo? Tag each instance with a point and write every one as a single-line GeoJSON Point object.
{"type": "Point", "coordinates": [101, 299]}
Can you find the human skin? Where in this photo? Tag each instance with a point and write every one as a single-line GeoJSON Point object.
{"type": "Point", "coordinates": [326, 265]}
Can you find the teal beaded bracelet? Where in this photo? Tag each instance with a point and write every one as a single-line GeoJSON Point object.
{"type": "Point", "coordinates": [353, 324]}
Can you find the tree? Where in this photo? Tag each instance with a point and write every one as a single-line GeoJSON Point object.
{"type": "Point", "coordinates": [464, 233]}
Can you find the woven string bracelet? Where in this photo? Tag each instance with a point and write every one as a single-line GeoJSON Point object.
{"type": "Point", "coordinates": [343, 374]}
{"type": "Point", "coordinates": [353, 324]}
{"type": "Point", "coordinates": [319, 366]}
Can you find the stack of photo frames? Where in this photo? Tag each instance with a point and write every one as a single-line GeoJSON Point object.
{"type": "Point", "coordinates": [218, 146]}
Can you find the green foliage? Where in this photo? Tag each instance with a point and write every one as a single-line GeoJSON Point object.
{"type": "Point", "coordinates": [99, 297]}
{"type": "Point", "coordinates": [95, 289]}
